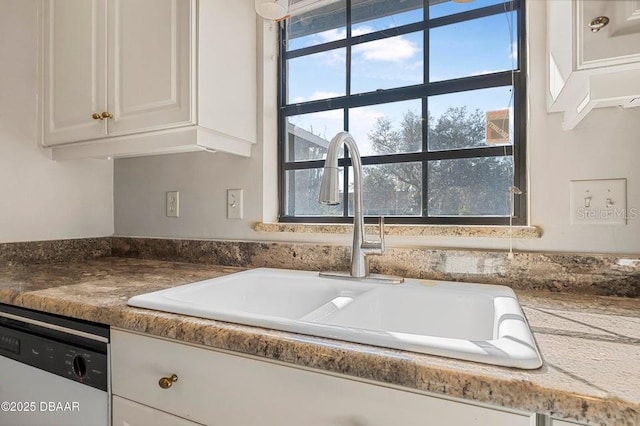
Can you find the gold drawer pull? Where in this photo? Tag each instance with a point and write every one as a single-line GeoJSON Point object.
{"type": "Point", "coordinates": [166, 382]}
{"type": "Point", "coordinates": [107, 115]}
{"type": "Point", "coordinates": [96, 116]}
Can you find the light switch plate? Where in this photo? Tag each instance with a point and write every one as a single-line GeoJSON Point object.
{"type": "Point", "coordinates": [234, 203]}
{"type": "Point", "coordinates": [599, 202]}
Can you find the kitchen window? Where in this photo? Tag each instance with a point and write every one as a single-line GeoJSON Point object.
{"type": "Point", "coordinates": [433, 92]}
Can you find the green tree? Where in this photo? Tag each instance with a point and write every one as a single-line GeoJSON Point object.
{"type": "Point", "coordinates": [394, 189]}
{"type": "Point", "coordinates": [474, 186]}
{"type": "Point", "coordinates": [456, 128]}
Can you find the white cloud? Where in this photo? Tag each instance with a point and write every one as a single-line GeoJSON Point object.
{"type": "Point", "coordinates": [331, 35]}
{"type": "Point", "coordinates": [394, 49]}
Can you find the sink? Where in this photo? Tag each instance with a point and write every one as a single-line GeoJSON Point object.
{"type": "Point", "coordinates": [262, 297]}
{"type": "Point", "coordinates": [439, 311]}
{"type": "Point", "coordinates": [475, 322]}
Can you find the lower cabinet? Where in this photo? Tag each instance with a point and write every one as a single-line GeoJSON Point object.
{"type": "Point", "coordinates": [155, 379]}
{"type": "Point", "coordinates": [129, 413]}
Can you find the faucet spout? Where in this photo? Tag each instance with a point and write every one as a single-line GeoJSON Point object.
{"type": "Point", "coordinates": [329, 194]}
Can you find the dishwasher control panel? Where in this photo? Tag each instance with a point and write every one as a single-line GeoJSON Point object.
{"type": "Point", "coordinates": [59, 349]}
{"type": "Point", "coordinates": [8, 343]}
{"type": "Point", "coordinates": [72, 362]}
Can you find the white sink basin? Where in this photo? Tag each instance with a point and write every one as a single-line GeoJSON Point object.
{"type": "Point", "coordinates": [260, 297]}
{"type": "Point", "coordinates": [474, 322]}
{"type": "Point", "coordinates": [448, 311]}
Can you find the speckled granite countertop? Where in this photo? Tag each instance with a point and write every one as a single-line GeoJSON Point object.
{"type": "Point", "coordinates": [590, 344]}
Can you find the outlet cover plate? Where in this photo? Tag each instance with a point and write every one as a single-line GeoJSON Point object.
{"type": "Point", "coordinates": [173, 204]}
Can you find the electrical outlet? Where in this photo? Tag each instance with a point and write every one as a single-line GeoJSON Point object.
{"type": "Point", "coordinates": [173, 204]}
{"type": "Point", "coordinates": [599, 202]}
{"type": "Point", "coordinates": [234, 203]}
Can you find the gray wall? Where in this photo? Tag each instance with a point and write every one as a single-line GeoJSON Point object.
{"type": "Point", "coordinates": [41, 199]}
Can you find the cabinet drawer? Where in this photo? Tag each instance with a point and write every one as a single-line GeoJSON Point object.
{"type": "Point", "coordinates": [219, 388]}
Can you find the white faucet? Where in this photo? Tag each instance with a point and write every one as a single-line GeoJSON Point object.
{"type": "Point", "coordinates": [329, 194]}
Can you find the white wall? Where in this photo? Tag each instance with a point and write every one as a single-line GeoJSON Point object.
{"type": "Point", "coordinates": [40, 199]}
{"type": "Point", "coordinates": [605, 145]}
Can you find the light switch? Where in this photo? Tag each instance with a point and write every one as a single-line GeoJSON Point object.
{"type": "Point", "coordinates": [599, 202]}
{"type": "Point", "coordinates": [234, 203]}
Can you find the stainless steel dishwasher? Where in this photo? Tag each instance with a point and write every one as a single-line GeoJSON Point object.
{"type": "Point", "coordinates": [53, 370]}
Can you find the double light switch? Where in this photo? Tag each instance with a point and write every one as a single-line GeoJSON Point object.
{"type": "Point", "coordinates": [601, 201]}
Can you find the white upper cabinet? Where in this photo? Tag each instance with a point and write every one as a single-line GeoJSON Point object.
{"type": "Point", "coordinates": [616, 43]}
{"type": "Point", "coordinates": [149, 59]}
{"type": "Point", "coordinates": [74, 71]}
{"type": "Point", "coordinates": [593, 59]}
{"type": "Point", "coordinates": [139, 77]}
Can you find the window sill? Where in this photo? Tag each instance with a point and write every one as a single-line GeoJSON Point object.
{"type": "Point", "coordinates": [473, 231]}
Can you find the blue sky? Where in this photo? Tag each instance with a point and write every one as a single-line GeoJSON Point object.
{"type": "Point", "coordinates": [475, 47]}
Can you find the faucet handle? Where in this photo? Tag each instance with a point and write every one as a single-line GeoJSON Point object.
{"type": "Point", "coordinates": [375, 247]}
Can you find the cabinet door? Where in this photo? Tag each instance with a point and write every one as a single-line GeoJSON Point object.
{"type": "Point", "coordinates": [150, 43]}
{"type": "Point", "coordinates": [74, 70]}
{"type": "Point", "coordinates": [129, 413]}
{"type": "Point", "coordinates": [615, 44]}
{"type": "Point", "coordinates": [221, 389]}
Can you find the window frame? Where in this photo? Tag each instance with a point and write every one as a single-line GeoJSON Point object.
{"type": "Point", "coordinates": [415, 92]}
